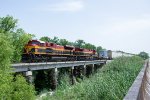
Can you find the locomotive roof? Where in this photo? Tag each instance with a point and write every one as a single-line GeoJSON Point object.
{"type": "Point", "coordinates": [38, 41]}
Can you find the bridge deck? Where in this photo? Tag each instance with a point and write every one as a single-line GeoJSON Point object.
{"type": "Point", "coordinates": [47, 65]}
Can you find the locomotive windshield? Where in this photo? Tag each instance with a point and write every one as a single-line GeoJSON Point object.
{"type": "Point", "coordinates": [34, 42]}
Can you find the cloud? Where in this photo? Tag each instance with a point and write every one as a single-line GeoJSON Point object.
{"type": "Point", "coordinates": [128, 26]}
{"type": "Point", "coordinates": [68, 5]}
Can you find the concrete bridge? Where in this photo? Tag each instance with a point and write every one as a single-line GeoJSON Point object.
{"type": "Point", "coordinates": [80, 67]}
{"type": "Point", "coordinates": [21, 67]}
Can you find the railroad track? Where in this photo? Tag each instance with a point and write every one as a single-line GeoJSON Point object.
{"type": "Point", "coordinates": [20, 67]}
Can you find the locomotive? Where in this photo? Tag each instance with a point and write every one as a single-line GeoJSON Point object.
{"type": "Point", "coordinates": [36, 50]}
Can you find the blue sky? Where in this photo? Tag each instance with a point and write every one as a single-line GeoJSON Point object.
{"type": "Point", "coordinates": [113, 24]}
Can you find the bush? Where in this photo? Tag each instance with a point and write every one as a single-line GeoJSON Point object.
{"type": "Point", "coordinates": [143, 55]}
{"type": "Point", "coordinates": [110, 83]}
{"type": "Point", "coordinates": [5, 75]}
{"type": "Point", "coordinates": [22, 91]}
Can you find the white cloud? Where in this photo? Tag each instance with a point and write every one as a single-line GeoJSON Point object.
{"type": "Point", "coordinates": [128, 26]}
{"type": "Point", "coordinates": [68, 5]}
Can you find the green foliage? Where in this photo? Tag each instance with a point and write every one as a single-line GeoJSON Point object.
{"type": "Point", "coordinates": [109, 83]}
{"type": "Point", "coordinates": [71, 43]}
{"type": "Point", "coordinates": [63, 42]}
{"type": "Point", "coordinates": [89, 46]}
{"type": "Point", "coordinates": [45, 39]}
{"type": "Point", "coordinates": [6, 52]}
{"type": "Point", "coordinates": [22, 91]}
{"type": "Point", "coordinates": [16, 37]}
{"type": "Point", "coordinates": [143, 55]}
{"type": "Point", "coordinates": [55, 40]}
{"type": "Point", "coordinates": [98, 49]}
{"type": "Point", "coordinates": [19, 39]}
{"type": "Point", "coordinates": [79, 43]}
{"type": "Point", "coordinates": [7, 24]}
{"type": "Point", "coordinates": [64, 81]}
{"type": "Point", "coordinates": [11, 44]}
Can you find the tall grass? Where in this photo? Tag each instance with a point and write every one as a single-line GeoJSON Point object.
{"type": "Point", "coordinates": [110, 83]}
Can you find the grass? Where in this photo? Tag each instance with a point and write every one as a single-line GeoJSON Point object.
{"type": "Point", "coordinates": [109, 83]}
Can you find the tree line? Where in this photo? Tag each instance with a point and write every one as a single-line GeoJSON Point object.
{"type": "Point", "coordinates": [78, 43]}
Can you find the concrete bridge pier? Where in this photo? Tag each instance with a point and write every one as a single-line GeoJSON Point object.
{"type": "Point", "coordinates": [96, 68]}
{"type": "Point", "coordinates": [73, 79]}
{"type": "Point", "coordinates": [29, 76]}
{"type": "Point", "coordinates": [92, 69]}
{"type": "Point", "coordinates": [79, 73]}
{"type": "Point", "coordinates": [54, 76]}
{"type": "Point", "coordinates": [84, 70]}
{"type": "Point", "coordinates": [88, 70]}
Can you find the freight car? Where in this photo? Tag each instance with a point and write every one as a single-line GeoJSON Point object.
{"type": "Point", "coordinates": [36, 50]}
{"type": "Point", "coordinates": [109, 55]}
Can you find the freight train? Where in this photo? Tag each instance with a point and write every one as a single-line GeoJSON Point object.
{"type": "Point", "coordinates": [37, 51]}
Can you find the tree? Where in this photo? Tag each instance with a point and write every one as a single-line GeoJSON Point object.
{"type": "Point", "coordinates": [98, 48]}
{"type": "Point", "coordinates": [22, 91]}
{"type": "Point", "coordinates": [6, 52]}
{"type": "Point", "coordinates": [55, 40]}
{"type": "Point", "coordinates": [143, 55]}
{"type": "Point", "coordinates": [11, 43]}
{"type": "Point", "coordinates": [89, 46]}
{"type": "Point", "coordinates": [79, 43]}
{"type": "Point", "coordinates": [63, 42]}
{"type": "Point", "coordinates": [71, 43]}
{"type": "Point", "coordinates": [17, 37]}
{"type": "Point", "coordinates": [45, 39]}
{"type": "Point", "coordinates": [7, 24]}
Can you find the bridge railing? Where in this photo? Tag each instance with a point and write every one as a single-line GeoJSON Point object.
{"type": "Point", "coordinates": [144, 92]}
{"type": "Point", "coordinates": [140, 89]}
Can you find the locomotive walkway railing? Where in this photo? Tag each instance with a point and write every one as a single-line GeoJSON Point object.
{"type": "Point", "coordinates": [47, 65]}
{"type": "Point", "coordinates": [140, 89]}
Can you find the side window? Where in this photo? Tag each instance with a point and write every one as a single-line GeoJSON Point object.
{"type": "Point", "coordinates": [48, 50]}
{"type": "Point", "coordinates": [35, 42]}
{"type": "Point", "coordinates": [41, 50]}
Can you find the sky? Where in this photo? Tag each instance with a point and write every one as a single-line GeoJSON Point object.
{"type": "Point", "coordinates": [113, 24]}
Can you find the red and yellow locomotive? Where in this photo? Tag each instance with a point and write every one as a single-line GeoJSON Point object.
{"type": "Point", "coordinates": [36, 50]}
